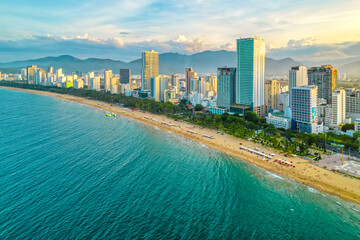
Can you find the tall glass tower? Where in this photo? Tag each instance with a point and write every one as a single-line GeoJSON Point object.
{"type": "Point", "coordinates": [250, 81]}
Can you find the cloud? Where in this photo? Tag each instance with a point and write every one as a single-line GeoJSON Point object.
{"type": "Point", "coordinates": [307, 50]}
{"type": "Point", "coordinates": [302, 42]}
{"type": "Point", "coordinates": [86, 46]}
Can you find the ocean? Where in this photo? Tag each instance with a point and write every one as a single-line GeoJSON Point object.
{"type": "Point", "coordinates": [69, 172]}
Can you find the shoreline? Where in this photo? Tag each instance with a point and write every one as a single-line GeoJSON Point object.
{"type": "Point", "coordinates": [304, 171]}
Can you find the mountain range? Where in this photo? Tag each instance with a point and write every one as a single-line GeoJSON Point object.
{"type": "Point", "coordinates": [203, 62]}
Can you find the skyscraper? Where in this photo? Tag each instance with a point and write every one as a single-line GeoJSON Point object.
{"type": "Point", "coordinates": [272, 89]}
{"type": "Point", "coordinates": [250, 82]}
{"type": "Point", "coordinates": [226, 80]}
{"type": "Point", "coordinates": [325, 78]}
{"type": "Point", "coordinates": [107, 80]}
{"type": "Point", "coordinates": [150, 68]}
{"type": "Point", "coordinates": [125, 76]}
{"type": "Point", "coordinates": [338, 107]}
{"type": "Point", "coordinates": [298, 77]}
{"type": "Point", "coordinates": [59, 73]}
{"type": "Point", "coordinates": [189, 73]}
{"type": "Point", "coordinates": [30, 74]}
{"type": "Point", "coordinates": [158, 86]}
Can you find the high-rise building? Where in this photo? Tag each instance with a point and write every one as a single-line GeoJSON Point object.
{"type": "Point", "coordinates": [272, 89]}
{"type": "Point", "coordinates": [250, 82]}
{"type": "Point", "coordinates": [226, 80]}
{"type": "Point", "coordinates": [189, 74]}
{"type": "Point", "coordinates": [125, 76]}
{"type": "Point", "coordinates": [193, 85]}
{"type": "Point", "coordinates": [23, 73]}
{"type": "Point", "coordinates": [338, 107]}
{"type": "Point", "coordinates": [150, 68]}
{"type": "Point", "coordinates": [202, 86]}
{"type": "Point", "coordinates": [353, 104]}
{"type": "Point", "coordinates": [59, 73]}
{"type": "Point", "coordinates": [95, 83]}
{"type": "Point", "coordinates": [158, 86]}
{"type": "Point", "coordinates": [164, 84]}
{"type": "Point", "coordinates": [51, 70]}
{"type": "Point", "coordinates": [30, 74]}
{"type": "Point", "coordinates": [298, 77]}
{"type": "Point", "coordinates": [39, 76]}
{"type": "Point", "coordinates": [175, 80]}
{"type": "Point", "coordinates": [78, 83]}
{"type": "Point", "coordinates": [304, 108]}
{"type": "Point", "coordinates": [108, 74]}
{"type": "Point", "coordinates": [325, 78]}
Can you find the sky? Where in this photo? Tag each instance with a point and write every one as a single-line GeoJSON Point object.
{"type": "Point", "coordinates": [305, 30]}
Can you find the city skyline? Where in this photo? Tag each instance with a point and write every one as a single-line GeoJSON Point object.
{"type": "Point", "coordinates": [94, 29]}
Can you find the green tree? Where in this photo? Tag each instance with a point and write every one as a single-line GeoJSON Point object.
{"type": "Point", "coordinates": [251, 117]}
{"type": "Point", "coordinates": [347, 126]}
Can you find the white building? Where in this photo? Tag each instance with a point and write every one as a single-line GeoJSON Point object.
{"type": "Point", "coordinates": [338, 107]}
{"type": "Point", "coordinates": [95, 83]}
{"type": "Point", "coordinates": [304, 109]}
{"type": "Point", "coordinates": [353, 104]}
{"type": "Point", "coordinates": [328, 119]}
{"type": "Point", "coordinates": [78, 83]}
{"type": "Point", "coordinates": [278, 122]}
{"type": "Point", "coordinates": [59, 73]}
{"type": "Point", "coordinates": [108, 74]}
{"type": "Point", "coordinates": [297, 78]}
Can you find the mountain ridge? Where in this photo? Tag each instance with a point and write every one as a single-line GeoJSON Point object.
{"type": "Point", "coordinates": [202, 62]}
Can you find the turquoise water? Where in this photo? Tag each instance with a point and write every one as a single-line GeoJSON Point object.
{"type": "Point", "coordinates": [69, 172]}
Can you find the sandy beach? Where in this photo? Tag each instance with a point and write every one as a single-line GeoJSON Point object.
{"type": "Point", "coordinates": [294, 167]}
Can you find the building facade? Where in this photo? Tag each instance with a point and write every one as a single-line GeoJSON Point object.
{"type": "Point", "coordinates": [226, 86]}
{"type": "Point", "coordinates": [353, 104]}
{"type": "Point", "coordinates": [150, 68]}
{"type": "Point", "coordinates": [189, 74]}
{"type": "Point", "coordinates": [30, 74]}
{"type": "Point", "coordinates": [95, 83]}
{"type": "Point", "coordinates": [272, 89]}
{"type": "Point", "coordinates": [298, 77]}
{"type": "Point", "coordinates": [304, 108]}
{"type": "Point", "coordinates": [250, 82]}
{"type": "Point", "coordinates": [338, 107]}
{"type": "Point", "coordinates": [325, 77]}
{"type": "Point", "coordinates": [108, 74]}
{"type": "Point", "coordinates": [125, 76]}
{"type": "Point", "coordinates": [279, 122]}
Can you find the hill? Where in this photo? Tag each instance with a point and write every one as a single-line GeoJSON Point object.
{"type": "Point", "coordinates": [203, 62]}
